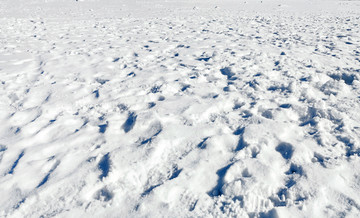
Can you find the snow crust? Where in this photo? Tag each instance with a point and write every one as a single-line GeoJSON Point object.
{"type": "Point", "coordinates": [179, 108]}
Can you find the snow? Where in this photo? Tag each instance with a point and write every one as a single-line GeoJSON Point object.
{"type": "Point", "coordinates": [179, 108]}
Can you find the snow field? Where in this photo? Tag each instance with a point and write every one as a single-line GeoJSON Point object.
{"type": "Point", "coordinates": [179, 112]}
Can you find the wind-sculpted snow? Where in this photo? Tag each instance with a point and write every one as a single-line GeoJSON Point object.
{"type": "Point", "coordinates": [195, 111]}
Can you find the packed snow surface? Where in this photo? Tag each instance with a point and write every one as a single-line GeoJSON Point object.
{"type": "Point", "coordinates": [179, 108]}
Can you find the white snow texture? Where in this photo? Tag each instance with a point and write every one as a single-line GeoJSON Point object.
{"type": "Point", "coordinates": [171, 108]}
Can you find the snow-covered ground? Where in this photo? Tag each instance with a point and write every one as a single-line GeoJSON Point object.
{"type": "Point", "coordinates": [179, 108]}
